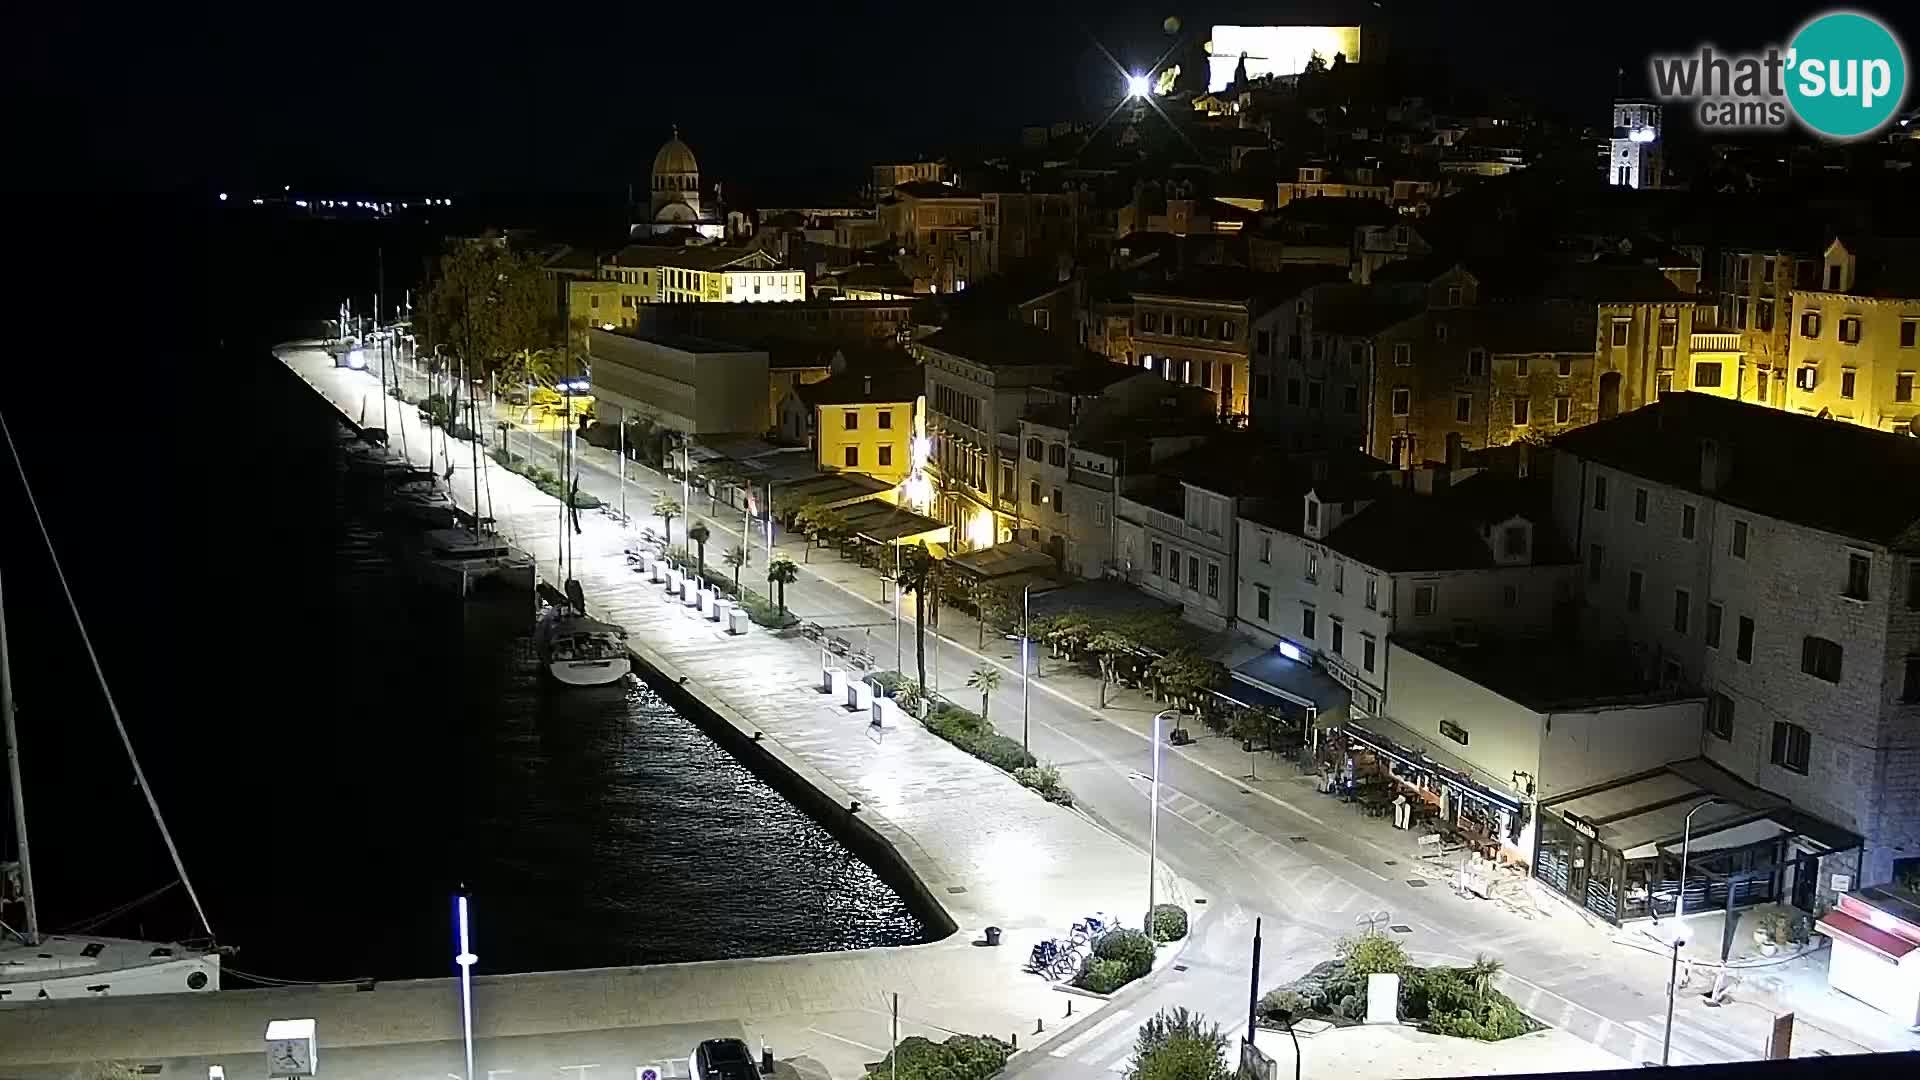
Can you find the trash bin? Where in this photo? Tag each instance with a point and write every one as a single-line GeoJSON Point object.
{"type": "Point", "coordinates": [993, 935]}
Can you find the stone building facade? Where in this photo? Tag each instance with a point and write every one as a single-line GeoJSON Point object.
{"type": "Point", "coordinates": [1770, 560]}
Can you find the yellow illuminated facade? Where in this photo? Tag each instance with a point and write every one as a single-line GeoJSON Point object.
{"type": "Point", "coordinates": [1856, 358]}
{"type": "Point", "coordinates": [872, 438]}
{"type": "Point", "coordinates": [601, 304]}
{"type": "Point", "coordinates": [1275, 50]}
{"type": "Point", "coordinates": [730, 286]}
{"type": "Point", "coordinates": [642, 274]}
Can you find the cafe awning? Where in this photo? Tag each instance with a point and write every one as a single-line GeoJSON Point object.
{"type": "Point", "coordinates": [1645, 814]}
{"type": "Point", "coordinates": [1002, 561]}
{"type": "Point", "coordinates": [829, 489]}
{"type": "Point", "coordinates": [1408, 751]}
{"type": "Point", "coordinates": [1845, 927]}
{"type": "Point", "coordinates": [884, 523]}
{"type": "Point", "coordinates": [1300, 688]}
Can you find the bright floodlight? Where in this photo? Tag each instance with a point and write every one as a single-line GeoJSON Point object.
{"type": "Point", "coordinates": [1137, 86]}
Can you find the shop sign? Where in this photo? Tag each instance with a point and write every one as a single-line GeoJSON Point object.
{"type": "Point", "coordinates": [1581, 827]}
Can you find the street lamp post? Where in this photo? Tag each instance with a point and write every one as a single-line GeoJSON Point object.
{"type": "Point", "coordinates": [1153, 823]}
{"type": "Point", "coordinates": [1673, 980]}
{"type": "Point", "coordinates": [1026, 678]}
{"type": "Point", "coordinates": [466, 959]}
{"type": "Point", "coordinates": [1686, 842]}
{"type": "Point", "coordinates": [1679, 928]}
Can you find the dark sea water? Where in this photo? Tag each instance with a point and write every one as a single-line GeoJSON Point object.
{"type": "Point", "coordinates": [335, 750]}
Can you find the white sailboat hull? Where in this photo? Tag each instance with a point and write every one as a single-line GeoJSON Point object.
{"type": "Point", "coordinates": [590, 672]}
{"type": "Point", "coordinates": [56, 970]}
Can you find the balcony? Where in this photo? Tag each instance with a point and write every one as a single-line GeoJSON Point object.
{"type": "Point", "coordinates": [1718, 341]}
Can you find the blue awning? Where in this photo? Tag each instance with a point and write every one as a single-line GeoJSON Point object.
{"type": "Point", "coordinates": [1241, 692]}
{"type": "Point", "coordinates": [1296, 685]}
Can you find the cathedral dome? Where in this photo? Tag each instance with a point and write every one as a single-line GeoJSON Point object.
{"type": "Point", "coordinates": [675, 158]}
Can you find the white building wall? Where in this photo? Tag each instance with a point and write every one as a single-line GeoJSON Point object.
{"type": "Point", "coordinates": [1503, 737]}
{"type": "Point", "coordinates": [1277, 561]}
{"type": "Point", "coordinates": [1594, 746]}
{"type": "Point", "coordinates": [1561, 751]}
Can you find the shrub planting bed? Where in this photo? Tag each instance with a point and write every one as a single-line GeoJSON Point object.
{"type": "Point", "coordinates": [1442, 1000]}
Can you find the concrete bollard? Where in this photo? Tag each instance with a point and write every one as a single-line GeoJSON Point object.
{"type": "Point", "coordinates": [1039, 1025]}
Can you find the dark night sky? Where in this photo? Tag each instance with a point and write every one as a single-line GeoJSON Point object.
{"type": "Point", "coordinates": [576, 96]}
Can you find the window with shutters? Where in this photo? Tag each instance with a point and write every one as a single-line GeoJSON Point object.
{"type": "Point", "coordinates": [1720, 716]}
{"type": "Point", "coordinates": [1820, 658]}
{"type": "Point", "coordinates": [1792, 746]}
{"type": "Point", "coordinates": [1859, 569]}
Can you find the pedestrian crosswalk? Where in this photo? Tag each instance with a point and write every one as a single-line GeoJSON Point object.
{"type": "Point", "coordinates": [1637, 1041]}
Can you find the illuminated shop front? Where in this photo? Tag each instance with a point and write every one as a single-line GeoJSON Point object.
{"type": "Point", "coordinates": [1615, 848]}
{"type": "Point", "coordinates": [1486, 817]}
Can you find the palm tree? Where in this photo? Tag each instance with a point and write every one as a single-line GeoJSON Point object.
{"type": "Point", "coordinates": [735, 557]}
{"type": "Point", "coordinates": [919, 571]}
{"type": "Point", "coordinates": [668, 508]}
{"type": "Point", "coordinates": [986, 680]}
{"type": "Point", "coordinates": [1482, 973]}
{"type": "Point", "coordinates": [782, 572]}
{"type": "Point", "coordinates": [698, 536]}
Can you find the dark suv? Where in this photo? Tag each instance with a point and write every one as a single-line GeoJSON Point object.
{"type": "Point", "coordinates": [724, 1059]}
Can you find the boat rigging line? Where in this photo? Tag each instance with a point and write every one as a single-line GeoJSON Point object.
{"type": "Point", "coordinates": [87, 926]}
{"type": "Point", "coordinates": [113, 707]}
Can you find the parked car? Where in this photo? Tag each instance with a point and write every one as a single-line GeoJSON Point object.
{"type": "Point", "coordinates": [723, 1059]}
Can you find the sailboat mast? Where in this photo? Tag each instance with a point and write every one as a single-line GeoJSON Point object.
{"type": "Point", "coordinates": [13, 776]}
{"type": "Point", "coordinates": [100, 676]}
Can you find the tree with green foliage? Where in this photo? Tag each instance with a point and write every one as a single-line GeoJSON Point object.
{"type": "Point", "coordinates": [782, 572]}
{"type": "Point", "coordinates": [487, 302]}
{"type": "Point", "coordinates": [1108, 646]}
{"type": "Point", "coordinates": [1186, 677]}
{"type": "Point", "coordinates": [666, 507]}
{"type": "Point", "coordinates": [1179, 1045]}
{"type": "Point", "coordinates": [716, 475]}
{"type": "Point", "coordinates": [919, 571]}
{"type": "Point", "coordinates": [736, 557]}
{"type": "Point", "coordinates": [986, 680]}
{"type": "Point", "coordinates": [698, 535]}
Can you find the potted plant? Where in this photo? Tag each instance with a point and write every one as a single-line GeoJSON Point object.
{"type": "Point", "coordinates": [1771, 931]}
